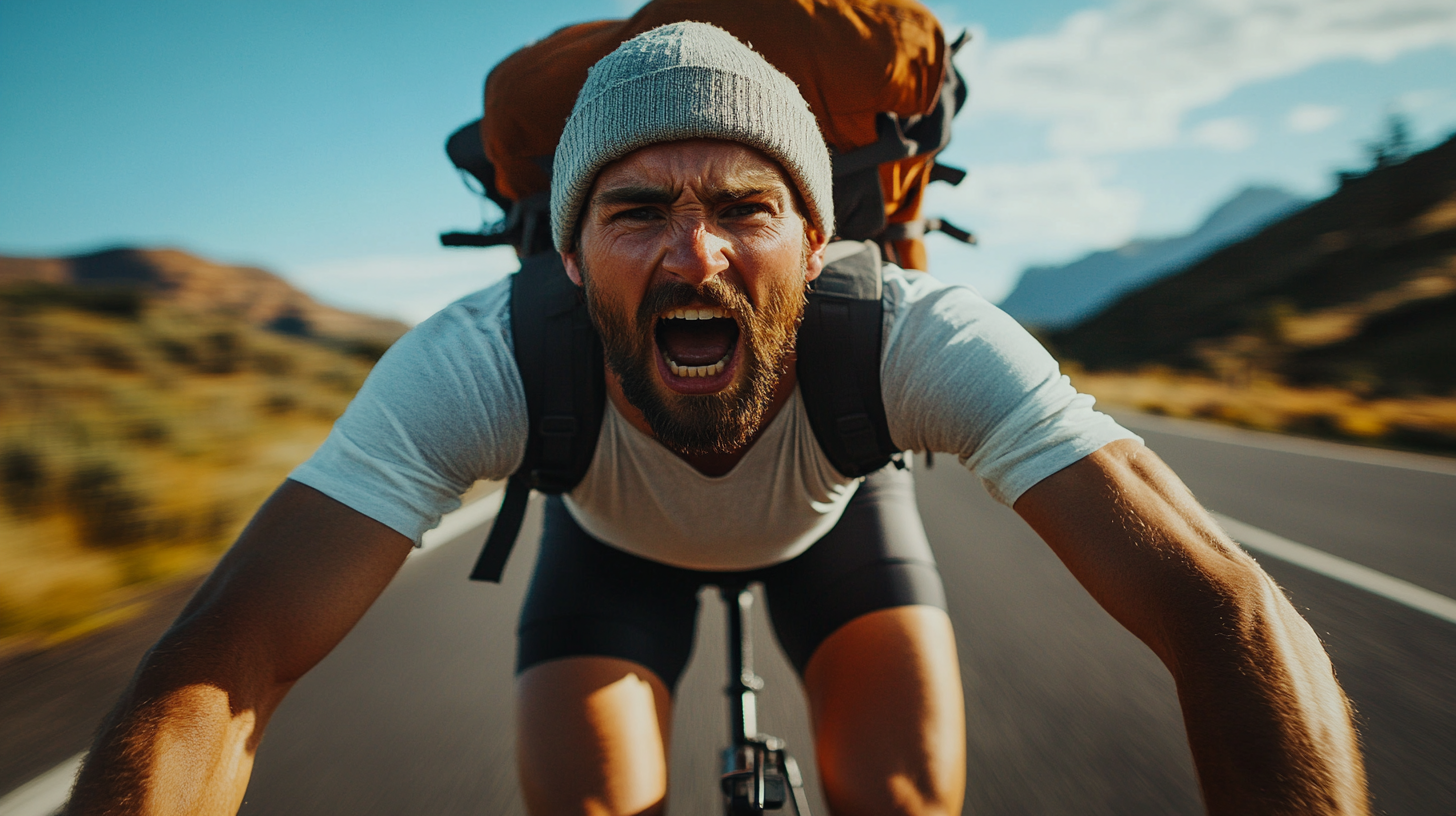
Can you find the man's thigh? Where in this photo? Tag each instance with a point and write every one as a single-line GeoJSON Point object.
{"type": "Point", "coordinates": [592, 735]}
{"type": "Point", "coordinates": [589, 599]}
{"type": "Point", "coordinates": [888, 712]}
{"type": "Point", "coordinates": [603, 637]}
{"type": "Point", "coordinates": [862, 616]}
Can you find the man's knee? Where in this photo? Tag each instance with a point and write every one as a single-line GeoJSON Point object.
{"type": "Point", "coordinates": [889, 716]}
{"type": "Point", "coordinates": [591, 738]}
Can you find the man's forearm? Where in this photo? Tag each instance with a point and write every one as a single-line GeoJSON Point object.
{"type": "Point", "coordinates": [175, 744]}
{"type": "Point", "coordinates": [182, 755]}
{"type": "Point", "coordinates": [1270, 730]}
{"type": "Point", "coordinates": [182, 738]}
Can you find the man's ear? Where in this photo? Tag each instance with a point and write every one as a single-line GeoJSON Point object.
{"type": "Point", "coordinates": [817, 241]}
{"type": "Point", "coordinates": [573, 270]}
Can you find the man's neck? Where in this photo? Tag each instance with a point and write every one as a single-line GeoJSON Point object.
{"type": "Point", "coordinates": [709, 464]}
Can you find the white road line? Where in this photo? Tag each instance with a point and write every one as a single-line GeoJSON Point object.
{"type": "Point", "coordinates": [1331, 566]}
{"type": "Point", "coordinates": [45, 794]}
{"type": "Point", "coordinates": [1319, 448]}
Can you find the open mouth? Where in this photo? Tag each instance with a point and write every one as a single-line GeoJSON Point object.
{"type": "Point", "coordinates": [697, 348]}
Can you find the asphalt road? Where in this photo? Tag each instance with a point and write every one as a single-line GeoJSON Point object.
{"type": "Point", "coordinates": [1068, 714]}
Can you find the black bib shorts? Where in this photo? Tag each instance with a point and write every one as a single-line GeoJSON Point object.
{"type": "Point", "coordinates": [588, 598]}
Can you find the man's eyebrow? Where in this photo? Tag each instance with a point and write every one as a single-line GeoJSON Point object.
{"type": "Point", "coordinates": [635, 194]}
{"type": "Point", "coordinates": [652, 194]}
{"type": "Point", "coordinates": [729, 193]}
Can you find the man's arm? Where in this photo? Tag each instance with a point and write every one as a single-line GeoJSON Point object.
{"type": "Point", "coordinates": [1270, 729]}
{"type": "Point", "coordinates": [182, 738]}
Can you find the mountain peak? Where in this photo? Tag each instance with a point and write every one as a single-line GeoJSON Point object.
{"type": "Point", "coordinates": [1250, 205]}
{"type": "Point", "coordinates": [1061, 296]}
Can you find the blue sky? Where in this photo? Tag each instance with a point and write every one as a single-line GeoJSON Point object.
{"type": "Point", "coordinates": [306, 137]}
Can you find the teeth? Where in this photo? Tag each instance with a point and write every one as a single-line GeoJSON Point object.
{"type": "Point", "coordinates": [708, 313]}
{"type": "Point", "coordinates": [697, 371]}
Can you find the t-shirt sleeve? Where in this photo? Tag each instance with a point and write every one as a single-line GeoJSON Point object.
{"type": "Point", "coordinates": [960, 376]}
{"type": "Point", "coordinates": [443, 408]}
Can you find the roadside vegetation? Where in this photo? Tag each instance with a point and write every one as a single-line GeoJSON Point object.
{"type": "Point", "coordinates": [1348, 414]}
{"type": "Point", "coordinates": [136, 439]}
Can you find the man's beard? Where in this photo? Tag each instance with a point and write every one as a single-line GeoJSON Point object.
{"type": "Point", "coordinates": [691, 424]}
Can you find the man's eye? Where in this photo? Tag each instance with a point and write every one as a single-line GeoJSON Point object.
{"type": "Point", "coordinates": [744, 210]}
{"type": "Point", "coordinates": [637, 214]}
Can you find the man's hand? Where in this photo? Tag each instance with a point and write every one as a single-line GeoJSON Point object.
{"type": "Point", "coordinates": [1269, 727]}
{"type": "Point", "coordinates": [182, 738]}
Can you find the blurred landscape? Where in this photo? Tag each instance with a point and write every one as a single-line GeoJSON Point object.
{"type": "Point", "coordinates": [150, 399]}
{"type": "Point", "coordinates": [1338, 320]}
{"type": "Point", "coordinates": [149, 402]}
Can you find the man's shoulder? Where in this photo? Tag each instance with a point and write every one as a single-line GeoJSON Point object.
{"type": "Point", "coordinates": [915, 296]}
{"type": "Point", "coordinates": [480, 308]}
{"type": "Point", "coordinates": [470, 338]}
{"type": "Point", "coordinates": [900, 281]}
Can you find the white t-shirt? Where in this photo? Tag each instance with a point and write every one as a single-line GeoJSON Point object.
{"type": "Point", "coordinates": [445, 407]}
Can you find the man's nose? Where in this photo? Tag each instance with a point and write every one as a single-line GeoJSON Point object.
{"type": "Point", "coordinates": [695, 254]}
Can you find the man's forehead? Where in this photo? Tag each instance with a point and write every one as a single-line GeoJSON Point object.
{"type": "Point", "coordinates": [713, 164]}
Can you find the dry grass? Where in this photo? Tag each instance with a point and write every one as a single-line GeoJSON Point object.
{"type": "Point", "coordinates": [134, 447]}
{"type": "Point", "coordinates": [1417, 423]}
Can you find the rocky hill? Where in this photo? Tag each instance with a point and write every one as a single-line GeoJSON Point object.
{"type": "Point", "coordinates": [1356, 291]}
{"type": "Point", "coordinates": [149, 401]}
{"type": "Point", "coordinates": [187, 282]}
{"type": "Point", "coordinates": [1053, 297]}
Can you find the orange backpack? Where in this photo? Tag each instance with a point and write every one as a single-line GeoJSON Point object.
{"type": "Point", "coordinates": [877, 74]}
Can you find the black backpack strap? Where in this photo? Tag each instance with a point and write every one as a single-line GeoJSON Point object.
{"type": "Point", "coordinates": [907, 230]}
{"type": "Point", "coordinates": [560, 359]}
{"type": "Point", "coordinates": [839, 360]}
{"type": "Point", "coordinates": [527, 225]}
{"type": "Point", "coordinates": [503, 532]}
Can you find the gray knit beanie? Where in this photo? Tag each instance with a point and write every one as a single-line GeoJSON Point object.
{"type": "Point", "coordinates": [686, 81]}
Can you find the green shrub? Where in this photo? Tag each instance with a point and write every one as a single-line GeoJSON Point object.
{"type": "Point", "coordinates": [121, 301]}
{"type": "Point", "coordinates": [110, 513]}
{"type": "Point", "coordinates": [274, 364]}
{"type": "Point", "coordinates": [278, 404]}
{"type": "Point", "coordinates": [368, 350]}
{"type": "Point", "coordinates": [148, 431]}
{"type": "Point", "coordinates": [178, 351]}
{"type": "Point", "coordinates": [111, 356]}
{"type": "Point", "coordinates": [222, 353]}
{"type": "Point", "coordinates": [24, 478]}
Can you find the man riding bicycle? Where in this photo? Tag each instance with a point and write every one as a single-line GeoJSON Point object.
{"type": "Point", "coordinates": [691, 202]}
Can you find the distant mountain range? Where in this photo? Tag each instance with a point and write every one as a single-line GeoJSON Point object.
{"type": "Point", "coordinates": [1357, 290]}
{"type": "Point", "coordinates": [195, 284]}
{"type": "Point", "coordinates": [1055, 297]}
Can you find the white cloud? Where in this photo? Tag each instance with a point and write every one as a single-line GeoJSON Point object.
{"type": "Point", "coordinates": [1412, 101]}
{"type": "Point", "coordinates": [1309, 118]}
{"type": "Point", "coordinates": [1229, 134]}
{"type": "Point", "coordinates": [1123, 78]}
{"type": "Point", "coordinates": [405, 287]}
{"type": "Point", "coordinates": [1049, 204]}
